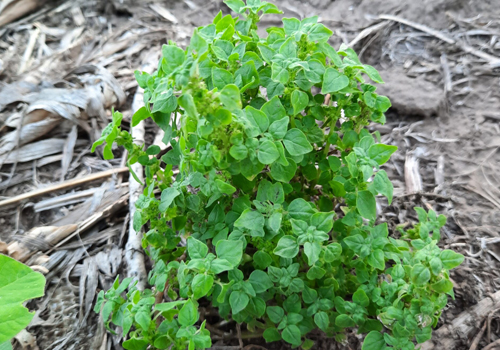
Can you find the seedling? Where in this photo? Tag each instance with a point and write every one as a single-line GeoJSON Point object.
{"type": "Point", "coordinates": [271, 218]}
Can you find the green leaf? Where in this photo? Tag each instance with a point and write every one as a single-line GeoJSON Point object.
{"type": "Point", "coordinates": [334, 163]}
{"type": "Point", "coordinates": [188, 315]}
{"type": "Point", "coordinates": [222, 49]}
{"type": "Point", "coordinates": [257, 118]}
{"type": "Point", "coordinates": [451, 259]}
{"type": "Point", "coordinates": [420, 274]}
{"type": "Point", "coordinates": [381, 153]}
{"type": "Point", "coordinates": [279, 73]}
{"type": "Point", "coordinates": [296, 143]}
{"type": "Point", "coordinates": [360, 298]}
{"type": "Point", "coordinates": [299, 100]}
{"type": "Point", "coordinates": [323, 221]}
{"type": "Point", "coordinates": [283, 173]}
{"type": "Point", "coordinates": [167, 197]}
{"type": "Point", "coordinates": [274, 109]}
{"type": "Point", "coordinates": [224, 187]}
{"type": "Point", "coordinates": [232, 251]}
{"type": "Point", "coordinates": [279, 128]}
{"type": "Point", "coordinates": [291, 25]}
{"type": "Point", "coordinates": [275, 313]}
{"type": "Point", "coordinates": [373, 74]}
{"type": "Point", "coordinates": [267, 153]}
{"type": "Point", "coordinates": [250, 219]}
{"type": "Point", "coordinates": [260, 281]}
{"type": "Point", "coordinates": [6, 346]}
{"type": "Point", "coordinates": [221, 78]}
{"type": "Point", "coordinates": [366, 204]}
{"type": "Point", "coordinates": [423, 334]}
{"type": "Point", "coordinates": [287, 247]}
{"type": "Point", "coordinates": [201, 285]}
{"type": "Point", "coordinates": [333, 81]}
{"type": "Point", "coordinates": [271, 335]}
{"type": "Point", "coordinates": [312, 251]}
{"type": "Point", "coordinates": [220, 265]}
{"type": "Point", "coordinates": [376, 259]}
{"type": "Point", "coordinates": [238, 152]}
{"type": "Point", "coordinates": [252, 56]}
{"type": "Point", "coordinates": [383, 185]}
{"type": "Point", "coordinates": [344, 321]}
{"type": "Point", "coordinates": [165, 102]}
{"type": "Point", "coordinates": [299, 209]}
{"type": "Point", "coordinates": [358, 244]}
{"type": "Point", "coordinates": [329, 51]}
{"type": "Point", "coordinates": [442, 286]}
{"type": "Point", "coordinates": [289, 48]}
{"type": "Point", "coordinates": [18, 283]}
{"type": "Point", "coordinates": [382, 103]}
{"type": "Point", "coordinates": [230, 97]}
{"type": "Point", "coordinates": [333, 252]}
{"type": "Point", "coordinates": [374, 341]}
{"type": "Point", "coordinates": [436, 265]}
{"type": "Point", "coordinates": [322, 321]}
{"type": "Point", "coordinates": [169, 306]}
{"type": "Point", "coordinates": [174, 56]}
{"type": "Point", "coordinates": [319, 33]}
{"type": "Point", "coordinates": [266, 52]}
{"type": "Point", "coordinates": [262, 259]}
{"type": "Point", "coordinates": [153, 150]}
{"type": "Point", "coordinates": [135, 344]}
{"type": "Point", "coordinates": [315, 272]}
{"type": "Point", "coordinates": [291, 334]}
{"type": "Point", "coordinates": [196, 249]}
{"type": "Point", "coordinates": [235, 5]}
{"type": "Point", "coordinates": [141, 114]}
{"type": "Point", "coordinates": [249, 76]}
{"type": "Point", "coordinates": [238, 301]}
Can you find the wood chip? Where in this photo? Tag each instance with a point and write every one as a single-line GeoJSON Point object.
{"type": "Point", "coordinates": [163, 12]}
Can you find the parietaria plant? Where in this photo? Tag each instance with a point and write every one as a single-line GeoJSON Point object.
{"type": "Point", "coordinates": [271, 217]}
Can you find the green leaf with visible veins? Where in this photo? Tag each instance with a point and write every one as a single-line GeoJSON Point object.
{"type": "Point", "coordinates": [188, 315]}
{"type": "Point", "coordinates": [420, 274]}
{"type": "Point", "coordinates": [287, 247]}
{"type": "Point", "coordinates": [221, 78]}
{"type": "Point", "coordinates": [238, 301]}
{"type": "Point", "coordinates": [291, 334]}
{"type": "Point", "coordinates": [451, 259]}
{"type": "Point", "coordinates": [367, 207]}
{"type": "Point", "coordinates": [279, 128]}
{"type": "Point", "coordinates": [201, 285]}
{"type": "Point", "coordinates": [381, 153]}
{"type": "Point", "coordinates": [374, 341]}
{"type": "Point", "coordinates": [230, 97]}
{"type": "Point", "coordinates": [231, 251]}
{"type": "Point", "coordinates": [18, 283]}
{"type": "Point", "coordinates": [333, 81]}
{"type": "Point", "coordinates": [296, 142]}
{"type": "Point", "coordinates": [267, 153]}
{"type": "Point", "coordinates": [274, 109]}
{"type": "Point", "coordinates": [300, 100]}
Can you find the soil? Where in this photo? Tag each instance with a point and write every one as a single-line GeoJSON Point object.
{"type": "Point", "coordinates": [445, 115]}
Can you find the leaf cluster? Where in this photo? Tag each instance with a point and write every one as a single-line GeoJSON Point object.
{"type": "Point", "coordinates": [271, 218]}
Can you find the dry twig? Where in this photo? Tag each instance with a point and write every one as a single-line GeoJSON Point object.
{"type": "Point", "coordinates": [61, 186]}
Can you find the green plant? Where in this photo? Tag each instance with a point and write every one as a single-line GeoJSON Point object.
{"type": "Point", "coordinates": [18, 283]}
{"type": "Point", "coordinates": [271, 218]}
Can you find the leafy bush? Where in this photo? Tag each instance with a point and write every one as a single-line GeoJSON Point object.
{"type": "Point", "coordinates": [271, 218]}
{"type": "Point", "coordinates": [18, 283]}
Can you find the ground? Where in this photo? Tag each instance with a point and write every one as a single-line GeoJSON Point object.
{"type": "Point", "coordinates": [442, 73]}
